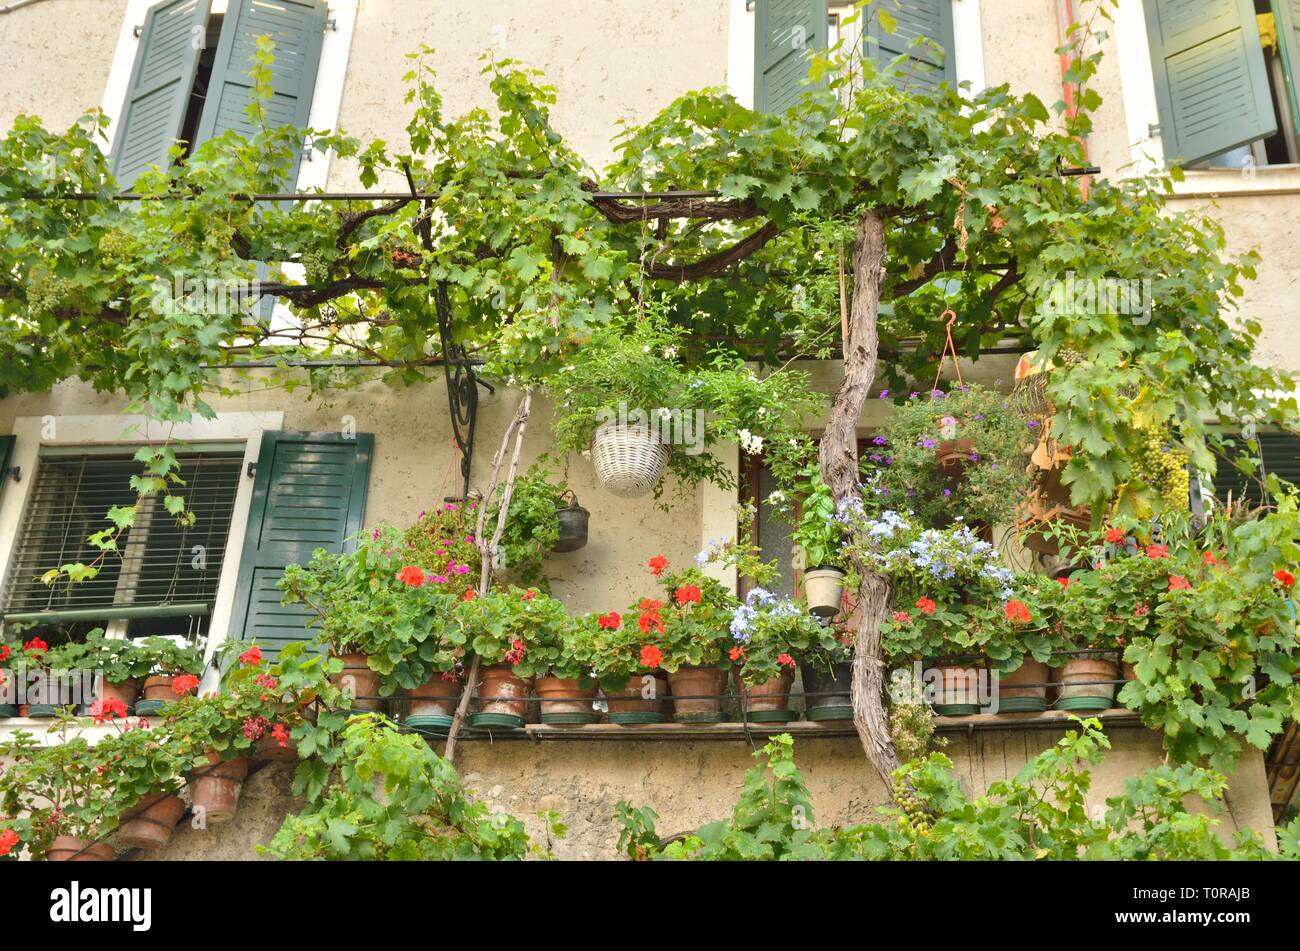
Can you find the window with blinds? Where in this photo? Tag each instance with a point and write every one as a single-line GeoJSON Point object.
{"type": "Point", "coordinates": [1279, 453]}
{"type": "Point", "coordinates": [162, 569]}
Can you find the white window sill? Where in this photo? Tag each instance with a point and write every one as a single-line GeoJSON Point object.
{"type": "Point", "coordinates": [40, 729]}
{"type": "Point", "coordinates": [1262, 180]}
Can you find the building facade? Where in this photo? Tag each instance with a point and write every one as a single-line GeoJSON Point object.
{"type": "Point", "coordinates": [1210, 83]}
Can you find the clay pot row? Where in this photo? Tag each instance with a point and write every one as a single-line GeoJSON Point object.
{"type": "Point", "coordinates": [1083, 684]}
{"type": "Point", "coordinates": [140, 699]}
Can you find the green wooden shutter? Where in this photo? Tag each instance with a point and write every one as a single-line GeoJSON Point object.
{"type": "Point", "coordinates": [309, 492]}
{"type": "Point", "coordinates": [924, 34]}
{"type": "Point", "coordinates": [161, 82]}
{"type": "Point", "coordinates": [297, 27]}
{"type": "Point", "coordinates": [1211, 83]}
{"type": "Point", "coordinates": [1286, 14]}
{"type": "Point", "coordinates": [1280, 455]}
{"type": "Point", "coordinates": [785, 32]}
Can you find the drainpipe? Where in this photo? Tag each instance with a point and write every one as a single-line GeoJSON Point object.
{"type": "Point", "coordinates": [1064, 18]}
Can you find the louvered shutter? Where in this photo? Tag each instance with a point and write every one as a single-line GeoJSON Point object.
{"type": "Point", "coordinates": [1211, 84]}
{"type": "Point", "coordinates": [309, 493]}
{"type": "Point", "coordinates": [1286, 14]}
{"type": "Point", "coordinates": [1280, 455]}
{"type": "Point", "coordinates": [924, 34]}
{"type": "Point", "coordinates": [785, 33]}
{"type": "Point", "coordinates": [164, 568]}
{"type": "Point", "coordinates": [297, 28]}
{"type": "Point", "coordinates": [171, 42]}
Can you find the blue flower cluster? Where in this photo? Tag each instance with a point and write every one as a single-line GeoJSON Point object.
{"type": "Point", "coordinates": [743, 618]}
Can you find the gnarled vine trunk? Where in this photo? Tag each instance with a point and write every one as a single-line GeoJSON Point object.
{"type": "Point", "coordinates": [838, 459]}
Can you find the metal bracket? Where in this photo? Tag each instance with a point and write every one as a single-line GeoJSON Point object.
{"type": "Point", "coordinates": [137, 30]}
{"type": "Point", "coordinates": [252, 469]}
{"type": "Point", "coordinates": [14, 472]}
{"type": "Point", "coordinates": [1153, 129]}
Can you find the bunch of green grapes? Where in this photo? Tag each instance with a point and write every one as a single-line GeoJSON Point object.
{"type": "Point", "coordinates": [914, 819]}
{"type": "Point", "coordinates": [46, 293]}
{"type": "Point", "coordinates": [316, 265]}
{"type": "Point", "coordinates": [1163, 467]}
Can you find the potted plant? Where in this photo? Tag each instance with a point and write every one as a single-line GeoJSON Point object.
{"type": "Point", "coordinates": [10, 652]}
{"type": "Point", "coordinates": [769, 634]}
{"type": "Point", "coordinates": [64, 793]}
{"type": "Point", "coordinates": [566, 689]}
{"type": "Point", "coordinates": [518, 635]}
{"type": "Point", "coordinates": [626, 661]}
{"type": "Point", "coordinates": [961, 452]}
{"type": "Point", "coordinates": [828, 681]}
{"type": "Point", "coordinates": [632, 407]}
{"type": "Point", "coordinates": [174, 669]}
{"type": "Point", "coordinates": [45, 687]}
{"type": "Point", "coordinates": [147, 778]}
{"type": "Point", "coordinates": [819, 539]}
{"type": "Point", "coordinates": [544, 517]}
{"type": "Point", "coordinates": [689, 628]}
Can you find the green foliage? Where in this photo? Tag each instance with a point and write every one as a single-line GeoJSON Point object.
{"type": "Point", "coordinates": [980, 429]}
{"type": "Point", "coordinates": [409, 629]}
{"type": "Point", "coordinates": [532, 524]}
{"type": "Point", "coordinates": [1039, 814]}
{"type": "Point", "coordinates": [395, 799]}
{"type": "Point", "coordinates": [121, 659]}
{"type": "Point", "coordinates": [771, 634]}
{"type": "Point", "coordinates": [526, 629]}
{"type": "Point", "coordinates": [819, 535]}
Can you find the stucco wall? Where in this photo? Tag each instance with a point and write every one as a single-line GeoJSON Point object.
{"type": "Point", "coordinates": [691, 783]}
{"type": "Point", "coordinates": [55, 58]}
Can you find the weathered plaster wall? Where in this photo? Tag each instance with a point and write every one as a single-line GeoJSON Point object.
{"type": "Point", "coordinates": [611, 60]}
{"type": "Point", "coordinates": [691, 783]}
{"type": "Point", "coordinates": [55, 58]}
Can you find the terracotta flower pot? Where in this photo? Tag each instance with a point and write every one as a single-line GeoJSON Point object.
{"type": "Point", "coordinates": [502, 698]}
{"type": "Point", "coordinates": [769, 702]}
{"type": "Point", "coordinates": [269, 748]}
{"type": "Point", "coordinates": [828, 694]}
{"type": "Point", "coordinates": [128, 691]}
{"type": "Point", "coordinates": [156, 691]}
{"type": "Point", "coordinates": [362, 683]}
{"type": "Point", "coordinates": [214, 789]}
{"type": "Point", "coordinates": [566, 701]}
{"type": "Point", "coordinates": [150, 822]}
{"type": "Point", "coordinates": [640, 702]}
{"type": "Point", "coordinates": [706, 685]}
{"type": "Point", "coordinates": [431, 706]}
{"type": "Point", "coordinates": [1079, 689]}
{"type": "Point", "coordinates": [958, 691]}
{"type": "Point", "coordinates": [70, 848]}
{"type": "Point", "coordinates": [824, 588]}
{"type": "Point", "coordinates": [1015, 698]}
{"type": "Point", "coordinates": [952, 456]}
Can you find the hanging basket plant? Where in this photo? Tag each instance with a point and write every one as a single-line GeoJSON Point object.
{"type": "Point", "coordinates": [629, 459]}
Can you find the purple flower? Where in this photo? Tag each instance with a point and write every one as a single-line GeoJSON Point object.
{"type": "Point", "coordinates": [375, 534]}
{"type": "Point", "coordinates": [974, 457]}
{"type": "Point", "coordinates": [1033, 424]}
{"type": "Point", "coordinates": [913, 395]}
{"type": "Point", "coordinates": [925, 442]}
{"type": "Point", "coordinates": [947, 493]}
{"type": "Point", "coordinates": [884, 394]}
{"type": "Point", "coordinates": [439, 579]}
{"type": "Point", "coordinates": [420, 516]}
{"type": "Point", "coordinates": [873, 457]}
{"type": "Point", "coordinates": [979, 415]}
{"type": "Point", "coordinates": [889, 460]}
{"type": "Point", "coordinates": [880, 441]}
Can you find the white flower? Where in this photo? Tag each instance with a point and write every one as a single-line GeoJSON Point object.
{"type": "Point", "coordinates": [749, 442]}
{"type": "Point", "coordinates": [646, 348]}
{"type": "Point", "coordinates": [670, 353]}
{"type": "Point", "coordinates": [776, 498]}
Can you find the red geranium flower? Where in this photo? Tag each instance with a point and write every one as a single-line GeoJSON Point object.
{"type": "Point", "coordinates": [1064, 582]}
{"type": "Point", "coordinates": [785, 660]}
{"type": "Point", "coordinates": [1114, 535]}
{"type": "Point", "coordinates": [281, 735]}
{"type": "Point", "coordinates": [8, 839]}
{"type": "Point", "coordinates": [1284, 576]}
{"type": "Point", "coordinates": [411, 576]}
{"type": "Point", "coordinates": [35, 646]}
{"type": "Point", "coordinates": [1016, 611]}
{"type": "Point", "coordinates": [926, 605]}
{"type": "Point", "coordinates": [185, 683]}
{"type": "Point", "coordinates": [1179, 583]}
{"type": "Point", "coordinates": [651, 604]}
{"type": "Point", "coordinates": [516, 656]}
{"type": "Point", "coordinates": [4, 651]}
{"type": "Point", "coordinates": [688, 593]}
{"type": "Point", "coordinates": [1209, 558]}
{"type": "Point", "coordinates": [657, 564]}
{"type": "Point", "coordinates": [530, 594]}
{"type": "Point", "coordinates": [651, 656]}
{"type": "Point", "coordinates": [901, 617]}
{"type": "Point", "coordinates": [737, 653]}
{"type": "Point", "coordinates": [610, 621]}
{"type": "Point", "coordinates": [110, 708]}
{"type": "Point", "coordinates": [1142, 610]}
{"type": "Point", "coordinates": [252, 657]}
{"type": "Point", "coordinates": [650, 620]}
{"type": "Point", "coordinates": [1157, 551]}
{"type": "Point", "coordinates": [469, 594]}
{"type": "Point", "coordinates": [255, 728]}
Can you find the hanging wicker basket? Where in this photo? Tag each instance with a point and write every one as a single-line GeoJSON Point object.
{"type": "Point", "coordinates": [629, 460]}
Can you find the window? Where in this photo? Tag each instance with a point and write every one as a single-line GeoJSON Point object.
{"type": "Point", "coordinates": [163, 579]}
{"type": "Point", "coordinates": [786, 30]}
{"type": "Point", "coordinates": [189, 80]}
{"type": "Point", "coordinates": [1224, 74]}
{"type": "Point", "coordinates": [1279, 454]}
